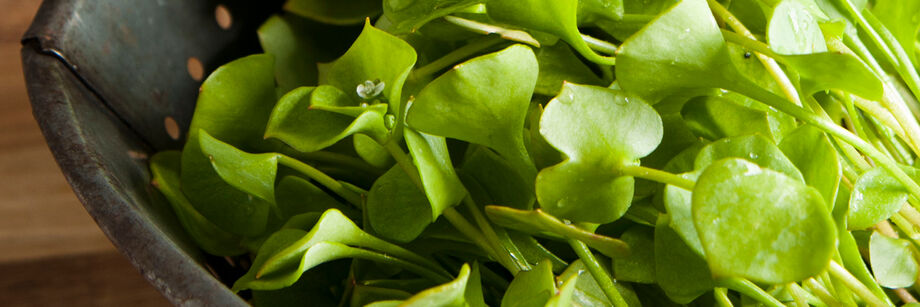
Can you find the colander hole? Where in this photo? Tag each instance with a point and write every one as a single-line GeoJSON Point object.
{"type": "Point", "coordinates": [195, 68]}
{"type": "Point", "coordinates": [223, 16]}
{"type": "Point", "coordinates": [172, 127]}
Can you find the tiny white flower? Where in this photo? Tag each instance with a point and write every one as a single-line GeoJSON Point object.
{"type": "Point", "coordinates": [370, 89]}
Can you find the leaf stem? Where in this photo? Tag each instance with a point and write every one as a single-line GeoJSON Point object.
{"type": "Point", "coordinates": [516, 263]}
{"type": "Point", "coordinates": [769, 63]}
{"type": "Point", "coordinates": [455, 56]}
{"type": "Point", "coordinates": [598, 272]}
{"type": "Point", "coordinates": [484, 28]}
{"type": "Point", "coordinates": [658, 176]}
{"type": "Point", "coordinates": [822, 293]}
{"type": "Point", "coordinates": [330, 183]}
{"type": "Point", "coordinates": [721, 295]}
{"type": "Point", "coordinates": [600, 45]}
{"type": "Point", "coordinates": [837, 271]}
{"type": "Point", "coordinates": [748, 288]}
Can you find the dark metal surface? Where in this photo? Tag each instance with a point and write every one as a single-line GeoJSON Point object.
{"type": "Point", "coordinates": [102, 76]}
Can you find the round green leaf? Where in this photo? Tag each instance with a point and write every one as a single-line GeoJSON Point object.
{"type": "Point", "coordinates": [755, 148]}
{"type": "Point", "coordinates": [892, 262]}
{"type": "Point", "coordinates": [396, 208]}
{"type": "Point", "coordinates": [759, 224]}
{"type": "Point", "coordinates": [876, 196]}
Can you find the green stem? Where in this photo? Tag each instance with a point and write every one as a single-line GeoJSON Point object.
{"type": "Point", "coordinates": [492, 238]}
{"type": "Point", "coordinates": [785, 106]}
{"type": "Point", "coordinates": [600, 45]}
{"type": "Point", "coordinates": [325, 157]}
{"type": "Point", "coordinates": [330, 183]}
{"type": "Point", "coordinates": [748, 288]}
{"type": "Point", "coordinates": [600, 274]}
{"type": "Point", "coordinates": [455, 56]}
{"type": "Point", "coordinates": [822, 293]}
{"type": "Point", "coordinates": [658, 176]}
{"type": "Point", "coordinates": [904, 66]}
{"type": "Point", "coordinates": [721, 295]}
{"type": "Point", "coordinates": [484, 28]}
{"type": "Point", "coordinates": [837, 271]}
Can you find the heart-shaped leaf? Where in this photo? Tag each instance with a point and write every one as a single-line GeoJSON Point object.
{"type": "Point", "coordinates": [251, 173]}
{"type": "Point", "coordinates": [539, 223]}
{"type": "Point", "coordinates": [558, 18]}
{"type": "Point", "coordinates": [600, 131]}
{"type": "Point", "coordinates": [639, 266]}
{"type": "Point", "coordinates": [566, 294]}
{"type": "Point", "coordinates": [558, 64]}
{"type": "Point", "coordinates": [754, 148]}
{"type": "Point", "coordinates": [500, 184]}
{"type": "Point", "coordinates": [759, 224]}
{"type": "Point", "coordinates": [283, 37]}
{"type": "Point", "coordinates": [482, 101]}
{"type": "Point", "coordinates": [372, 152]}
{"type": "Point", "coordinates": [813, 154]}
{"type": "Point", "coordinates": [455, 293]}
{"type": "Point", "coordinates": [233, 105]}
{"type": "Point", "coordinates": [892, 261]}
{"type": "Point", "coordinates": [310, 119]}
{"type": "Point", "coordinates": [164, 167]}
{"type": "Point", "coordinates": [347, 12]}
{"type": "Point", "coordinates": [531, 288]}
{"type": "Point", "coordinates": [680, 271]}
{"type": "Point", "coordinates": [376, 57]}
{"type": "Point", "coordinates": [876, 196]}
{"type": "Point", "coordinates": [700, 60]}
{"type": "Point", "coordinates": [396, 208]}
{"type": "Point", "coordinates": [439, 179]}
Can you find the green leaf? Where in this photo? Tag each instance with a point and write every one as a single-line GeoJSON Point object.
{"type": "Point", "coordinates": [822, 71]}
{"type": "Point", "coordinates": [754, 148]}
{"type": "Point", "coordinates": [759, 224]}
{"type": "Point", "coordinates": [600, 131]}
{"type": "Point", "coordinates": [680, 271]}
{"type": "Point", "coordinates": [375, 56]}
{"type": "Point", "coordinates": [283, 37]}
{"type": "Point", "coordinates": [310, 119]}
{"type": "Point", "coordinates": [439, 179]}
{"type": "Point", "coordinates": [639, 265]}
{"type": "Point", "coordinates": [482, 101]}
{"type": "Point", "coordinates": [449, 294]}
{"type": "Point", "coordinates": [587, 292]}
{"type": "Point", "coordinates": [314, 286]}
{"type": "Point", "coordinates": [533, 251]}
{"type": "Point", "coordinates": [539, 223]}
{"type": "Point", "coordinates": [558, 64]}
{"type": "Point", "coordinates": [372, 152]}
{"type": "Point", "coordinates": [396, 208]}
{"type": "Point", "coordinates": [164, 167]}
{"type": "Point", "coordinates": [410, 15]}
{"type": "Point", "coordinates": [589, 11]}
{"type": "Point", "coordinates": [699, 61]}
{"type": "Point", "coordinates": [902, 18]}
{"type": "Point", "coordinates": [679, 204]}
{"type": "Point", "coordinates": [892, 261]}
{"type": "Point", "coordinates": [251, 173]}
{"type": "Point", "coordinates": [566, 294]}
{"type": "Point", "coordinates": [813, 154]}
{"type": "Point", "coordinates": [716, 117]}
{"type": "Point", "coordinates": [558, 18]}
{"type": "Point", "coordinates": [233, 106]}
{"type": "Point", "coordinates": [531, 288]}
{"type": "Point", "coordinates": [792, 29]}
{"type": "Point", "coordinates": [496, 177]}
{"type": "Point", "coordinates": [363, 295]}
{"type": "Point", "coordinates": [876, 196]}
{"type": "Point", "coordinates": [279, 263]}
{"type": "Point", "coordinates": [346, 12]}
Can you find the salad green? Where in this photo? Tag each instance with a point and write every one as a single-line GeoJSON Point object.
{"type": "Point", "coordinates": [563, 153]}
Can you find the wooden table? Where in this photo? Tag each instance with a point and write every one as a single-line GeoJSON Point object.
{"type": "Point", "coordinates": [51, 251]}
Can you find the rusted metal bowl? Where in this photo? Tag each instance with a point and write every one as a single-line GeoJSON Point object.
{"type": "Point", "coordinates": [111, 82]}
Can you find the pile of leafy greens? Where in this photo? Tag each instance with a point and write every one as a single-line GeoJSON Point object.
{"type": "Point", "coordinates": [563, 153]}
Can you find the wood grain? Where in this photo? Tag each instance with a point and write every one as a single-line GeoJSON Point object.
{"type": "Point", "coordinates": [53, 254]}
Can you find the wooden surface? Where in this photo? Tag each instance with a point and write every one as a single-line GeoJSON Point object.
{"type": "Point", "coordinates": [51, 251]}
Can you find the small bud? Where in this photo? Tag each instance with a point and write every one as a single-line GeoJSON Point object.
{"type": "Point", "coordinates": [370, 89]}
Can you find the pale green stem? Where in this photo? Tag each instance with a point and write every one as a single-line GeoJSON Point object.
{"type": "Point", "coordinates": [837, 271]}
{"type": "Point", "coordinates": [330, 183]}
{"type": "Point", "coordinates": [455, 56]}
{"type": "Point", "coordinates": [721, 295]}
{"type": "Point", "coordinates": [494, 241]}
{"type": "Point", "coordinates": [600, 274]}
{"type": "Point", "coordinates": [748, 288]}
{"type": "Point", "coordinates": [483, 28]}
{"type": "Point", "coordinates": [821, 292]}
{"type": "Point", "coordinates": [600, 45]}
{"type": "Point", "coordinates": [658, 176]}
